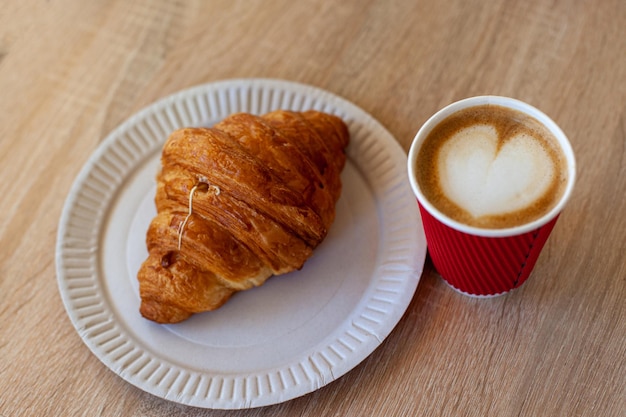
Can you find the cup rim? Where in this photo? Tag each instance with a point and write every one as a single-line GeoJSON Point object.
{"type": "Point", "coordinates": [511, 103]}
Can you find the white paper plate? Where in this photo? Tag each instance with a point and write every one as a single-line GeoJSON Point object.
{"type": "Point", "coordinates": [289, 337]}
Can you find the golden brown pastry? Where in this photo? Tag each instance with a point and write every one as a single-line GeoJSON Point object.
{"type": "Point", "coordinates": [249, 198]}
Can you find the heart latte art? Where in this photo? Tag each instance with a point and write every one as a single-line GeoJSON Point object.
{"type": "Point", "coordinates": [491, 167]}
{"type": "Point", "coordinates": [488, 178]}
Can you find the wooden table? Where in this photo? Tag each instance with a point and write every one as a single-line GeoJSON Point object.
{"type": "Point", "coordinates": [71, 71]}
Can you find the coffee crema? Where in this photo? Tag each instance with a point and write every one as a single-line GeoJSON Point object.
{"type": "Point", "coordinates": [491, 167]}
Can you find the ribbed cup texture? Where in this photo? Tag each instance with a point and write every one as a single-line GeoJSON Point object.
{"type": "Point", "coordinates": [482, 266]}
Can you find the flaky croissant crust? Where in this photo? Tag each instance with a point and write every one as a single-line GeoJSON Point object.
{"type": "Point", "coordinates": [249, 198]}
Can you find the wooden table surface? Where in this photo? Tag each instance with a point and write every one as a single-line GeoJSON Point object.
{"type": "Point", "coordinates": [71, 71]}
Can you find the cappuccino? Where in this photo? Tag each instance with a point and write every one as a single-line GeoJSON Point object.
{"type": "Point", "coordinates": [491, 167]}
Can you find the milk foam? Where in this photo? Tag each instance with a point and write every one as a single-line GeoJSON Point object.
{"type": "Point", "coordinates": [486, 176]}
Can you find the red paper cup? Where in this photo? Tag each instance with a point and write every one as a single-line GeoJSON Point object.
{"type": "Point", "coordinates": [486, 262]}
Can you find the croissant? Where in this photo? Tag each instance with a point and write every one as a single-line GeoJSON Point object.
{"type": "Point", "coordinates": [246, 199]}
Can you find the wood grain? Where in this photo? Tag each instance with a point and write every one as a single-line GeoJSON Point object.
{"type": "Point", "coordinates": [71, 71]}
